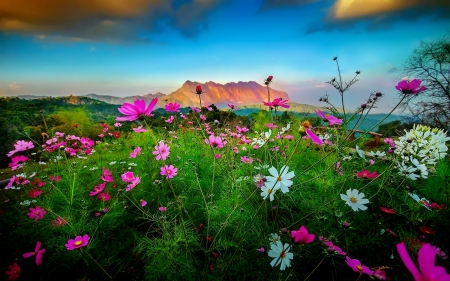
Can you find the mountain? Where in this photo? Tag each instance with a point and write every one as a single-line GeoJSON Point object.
{"type": "Point", "coordinates": [241, 93]}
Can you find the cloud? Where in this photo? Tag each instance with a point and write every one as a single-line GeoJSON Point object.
{"type": "Point", "coordinates": [273, 4]}
{"type": "Point", "coordinates": [380, 14]}
{"type": "Point", "coordinates": [14, 86]}
{"type": "Point", "coordinates": [98, 20]}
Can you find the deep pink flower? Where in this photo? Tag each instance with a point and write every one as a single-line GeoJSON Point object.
{"type": "Point", "coordinates": [356, 266]}
{"type": "Point", "coordinates": [216, 142]}
{"type": "Point", "coordinates": [313, 137]}
{"type": "Point", "coordinates": [247, 160]}
{"type": "Point", "coordinates": [329, 118]}
{"type": "Point", "coordinates": [54, 178]}
{"type": "Point", "coordinates": [13, 272]}
{"type": "Point", "coordinates": [34, 193]}
{"type": "Point", "coordinates": [78, 242]}
{"type": "Point", "coordinates": [367, 175]}
{"type": "Point", "coordinates": [269, 79]}
{"type": "Point", "coordinates": [97, 189]}
{"type": "Point", "coordinates": [104, 196]}
{"type": "Point", "coordinates": [169, 171]}
{"type": "Point", "coordinates": [387, 210]}
{"type": "Point", "coordinates": [233, 107]}
{"type": "Point", "coordinates": [37, 252]}
{"type": "Point", "coordinates": [277, 102]}
{"type": "Point", "coordinates": [37, 213]}
{"type": "Point", "coordinates": [133, 184]}
{"type": "Point", "coordinates": [172, 107]}
{"type": "Point", "coordinates": [301, 236]}
{"type": "Point", "coordinates": [161, 151]}
{"type": "Point", "coordinates": [410, 87]}
{"type": "Point", "coordinates": [128, 176]}
{"type": "Point", "coordinates": [136, 110]}
{"type": "Point", "coordinates": [271, 126]}
{"type": "Point", "coordinates": [135, 152]}
{"type": "Point", "coordinates": [106, 176]}
{"type": "Point", "coordinates": [162, 209]}
{"type": "Point", "coordinates": [426, 258]}
{"type": "Point", "coordinates": [143, 202]}
{"type": "Point", "coordinates": [17, 162]}
{"type": "Point", "coordinates": [195, 109]}
{"type": "Point", "coordinates": [217, 156]}
{"type": "Point", "coordinates": [58, 222]}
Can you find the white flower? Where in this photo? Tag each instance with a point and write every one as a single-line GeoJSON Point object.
{"type": "Point", "coordinates": [355, 199]}
{"type": "Point", "coordinates": [377, 154]}
{"type": "Point", "coordinates": [274, 239]}
{"type": "Point", "coordinates": [267, 191]}
{"type": "Point", "coordinates": [280, 254]}
{"type": "Point", "coordinates": [41, 163]}
{"type": "Point", "coordinates": [112, 163]}
{"type": "Point", "coordinates": [280, 180]}
{"type": "Point", "coordinates": [284, 129]}
{"type": "Point", "coordinates": [132, 164]}
{"type": "Point", "coordinates": [93, 169]}
{"type": "Point", "coordinates": [262, 139]}
{"type": "Point", "coordinates": [360, 152]}
{"type": "Point", "coordinates": [261, 167]}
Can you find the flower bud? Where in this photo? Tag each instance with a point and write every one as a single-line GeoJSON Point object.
{"type": "Point", "coordinates": [198, 89]}
{"type": "Point", "coordinates": [363, 105]}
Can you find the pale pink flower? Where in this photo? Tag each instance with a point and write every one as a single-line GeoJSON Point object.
{"type": "Point", "coordinates": [271, 126]}
{"type": "Point", "coordinates": [136, 110]}
{"type": "Point", "coordinates": [302, 236]}
{"type": "Point", "coordinates": [247, 160]}
{"type": "Point", "coordinates": [356, 266]}
{"type": "Point", "coordinates": [426, 259]}
{"type": "Point", "coordinates": [54, 178]}
{"type": "Point", "coordinates": [135, 152]}
{"type": "Point", "coordinates": [161, 151]}
{"type": "Point", "coordinates": [195, 109]}
{"type": "Point", "coordinates": [169, 171]}
{"type": "Point", "coordinates": [101, 135]}
{"type": "Point", "coordinates": [139, 129]}
{"type": "Point", "coordinates": [170, 119]}
{"type": "Point", "coordinates": [37, 252]}
{"type": "Point", "coordinates": [203, 117]}
{"type": "Point", "coordinates": [172, 107]}
{"type": "Point", "coordinates": [37, 213]}
{"type": "Point", "coordinates": [78, 242]}
{"type": "Point", "coordinates": [117, 124]}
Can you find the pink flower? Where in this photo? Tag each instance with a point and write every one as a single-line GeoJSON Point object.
{"type": "Point", "coordinates": [356, 266]}
{"type": "Point", "coordinates": [426, 259]}
{"type": "Point", "coordinates": [34, 193]}
{"type": "Point", "coordinates": [128, 176]}
{"type": "Point", "coordinates": [271, 126]}
{"type": "Point", "coordinates": [329, 118]}
{"type": "Point", "coordinates": [37, 251]}
{"type": "Point", "coordinates": [78, 242]}
{"type": "Point", "coordinates": [136, 110]}
{"type": "Point", "coordinates": [196, 109]}
{"type": "Point", "coordinates": [247, 160]}
{"type": "Point", "coordinates": [203, 117]}
{"type": "Point", "coordinates": [387, 210]}
{"type": "Point", "coordinates": [54, 178]}
{"type": "Point", "coordinates": [104, 196]}
{"type": "Point", "coordinates": [301, 236]}
{"type": "Point", "coordinates": [58, 222]}
{"type": "Point", "coordinates": [240, 130]}
{"type": "Point", "coordinates": [162, 151]}
{"type": "Point", "coordinates": [101, 135]}
{"type": "Point", "coordinates": [133, 184]}
{"type": "Point", "coordinates": [143, 202]}
{"type": "Point", "coordinates": [261, 250]}
{"type": "Point", "coordinates": [277, 102]}
{"type": "Point", "coordinates": [135, 152]}
{"type": "Point", "coordinates": [162, 209]}
{"type": "Point", "coordinates": [268, 80]}
{"type": "Point", "coordinates": [216, 142]}
{"type": "Point", "coordinates": [170, 119]}
{"type": "Point", "coordinates": [209, 108]}
{"type": "Point", "coordinates": [13, 273]}
{"type": "Point", "coordinates": [117, 124]}
{"type": "Point", "coordinates": [169, 171]}
{"type": "Point", "coordinates": [97, 189]}
{"type": "Point", "coordinates": [106, 176]}
{"type": "Point", "coordinates": [139, 130]}
{"type": "Point", "coordinates": [232, 106]}
{"type": "Point", "coordinates": [410, 87]}
{"type": "Point", "coordinates": [217, 156]}
{"type": "Point", "coordinates": [172, 107]}
{"type": "Point", "coordinates": [313, 137]}
{"type": "Point", "coordinates": [367, 175]}
{"type": "Point", "coordinates": [17, 162]}
{"type": "Point", "coordinates": [37, 213]}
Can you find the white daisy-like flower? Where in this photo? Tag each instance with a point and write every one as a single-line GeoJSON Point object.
{"type": "Point", "coordinates": [274, 238]}
{"type": "Point", "coordinates": [93, 169]}
{"type": "Point", "coordinates": [355, 199]}
{"type": "Point", "coordinates": [280, 180]}
{"type": "Point", "coordinates": [268, 192]}
{"type": "Point", "coordinates": [360, 152]}
{"type": "Point", "coordinates": [262, 139]}
{"type": "Point", "coordinates": [377, 154]}
{"type": "Point", "coordinates": [280, 254]}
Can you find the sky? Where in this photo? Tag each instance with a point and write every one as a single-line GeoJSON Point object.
{"type": "Point", "coordinates": [136, 47]}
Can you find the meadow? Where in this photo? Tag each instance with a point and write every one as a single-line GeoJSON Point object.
{"type": "Point", "coordinates": [201, 198]}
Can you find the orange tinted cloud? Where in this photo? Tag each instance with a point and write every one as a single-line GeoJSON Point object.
{"type": "Point", "coordinates": [98, 19]}
{"type": "Point", "coordinates": [347, 9]}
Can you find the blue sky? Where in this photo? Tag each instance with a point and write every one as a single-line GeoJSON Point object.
{"type": "Point", "coordinates": [137, 47]}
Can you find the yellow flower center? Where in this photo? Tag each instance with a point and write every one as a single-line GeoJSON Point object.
{"type": "Point", "coordinates": [279, 178]}
{"type": "Point", "coordinates": [269, 191]}
{"type": "Point", "coordinates": [353, 200]}
{"type": "Point", "coordinates": [78, 243]}
{"type": "Point", "coordinates": [360, 268]}
{"type": "Point", "coordinates": [282, 254]}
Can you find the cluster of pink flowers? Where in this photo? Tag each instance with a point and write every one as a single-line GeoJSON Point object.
{"type": "Point", "coordinates": [139, 129]}
{"type": "Point", "coordinates": [133, 180]}
{"type": "Point", "coordinates": [247, 160]}
{"type": "Point", "coordinates": [21, 145]}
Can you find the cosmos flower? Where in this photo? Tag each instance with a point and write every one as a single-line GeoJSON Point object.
{"type": "Point", "coordinates": [280, 254]}
{"type": "Point", "coordinates": [356, 266]}
{"type": "Point", "coordinates": [172, 107]}
{"type": "Point", "coordinates": [355, 199]}
{"type": "Point", "coordinates": [169, 171]}
{"type": "Point", "coordinates": [13, 272]}
{"type": "Point", "coordinates": [37, 213]}
{"type": "Point", "coordinates": [215, 142]}
{"type": "Point", "coordinates": [136, 110]}
{"type": "Point", "coordinates": [365, 174]}
{"type": "Point", "coordinates": [161, 151]}
{"type": "Point", "coordinates": [37, 252]}
{"type": "Point", "coordinates": [281, 180]}
{"type": "Point", "coordinates": [302, 236]}
{"type": "Point", "coordinates": [277, 102]}
{"type": "Point", "coordinates": [410, 87]}
{"type": "Point", "coordinates": [78, 242]}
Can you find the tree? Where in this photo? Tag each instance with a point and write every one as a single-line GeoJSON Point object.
{"type": "Point", "coordinates": [431, 64]}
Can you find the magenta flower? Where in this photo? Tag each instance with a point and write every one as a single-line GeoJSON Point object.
{"type": "Point", "coordinates": [17, 162]}
{"type": "Point", "coordinates": [139, 129]}
{"type": "Point", "coordinates": [277, 102]}
{"type": "Point", "coordinates": [37, 252]}
{"type": "Point", "coordinates": [162, 209]}
{"type": "Point", "coordinates": [136, 110]}
{"type": "Point", "coordinates": [313, 137]}
{"type": "Point", "coordinates": [161, 151]}
{"type": "Point", "coordinates": [143, 202]}
{"type": "Point", "coordinates": [172, 107]}
{"type": "Point", "coordinates": [104, 196]}
{"type": "Point", "coordinates": [128, 176]}
{"type": "Point", "coordinates": [169, 171]}
{"type": "Point", "coordinates": [271, 126]}
{"type": "Point", "coordinates": [13, 272]}
{"type": "Point", "coordinates": [247, 160]}
{"type": "Point", "coordinates": [34, 193]}
{"type": "Point", "coordinates": [107, 176]}
{"type": "Point", "coordinates": [329, 118]}
{"type": "Point", "coordinates": [410, 87]}
{"type": "Point", "coordinates": [58, 222]}
{"type": "Point", "coordinates": [217, 156]}
{"type": "Point", "coordinates": [97, 189]}
{"type": "Point", "coordinates": [302, 236]}
{"type": "Point", "coordinates": [426, 259]}
{"type": "Point", "coordinates": [135, 182]}
{"type": "Point", "coordinates": [367, 175]}
{"type": "Point", "coordinates": [37, 213]}
{"type": "Point", "coordinates": [233, 107]}
{"type": "Point", "coordinates": [135, 152]}
{"type": "Point", "coordinates": [54, 178]}
{"type": "Point", "coordinates": [216, 142]}
{"type": "Point", "coordinates": [356, 266]}
{"type": "Point", "coordinates": [78, 242]}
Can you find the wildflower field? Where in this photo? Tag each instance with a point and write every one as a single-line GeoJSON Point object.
{"type": "Point", "coordinates": [207, 199]}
